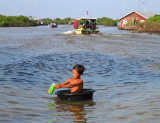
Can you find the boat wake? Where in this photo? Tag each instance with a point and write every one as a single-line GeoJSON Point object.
{"type": "Point", "coordinates": [69, 32]}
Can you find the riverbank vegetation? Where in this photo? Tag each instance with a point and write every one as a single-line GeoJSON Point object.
{"type": "Point", "coordinates": [47, 20]}
{"type": "Point", "coordinates": [23, 21]}
{"type": "Point", "coordinates": [107, 21]}
{"type": "Point", "coordinates": [16, 21]}
{"type": "Point", "coordinates": [100, 21]}
{"type": "Point", "coordinates": [60, 21]}
{"type": "Point", "coordinates": [63, 21]}
{"type": "Point", "coordinates": [155, 18]}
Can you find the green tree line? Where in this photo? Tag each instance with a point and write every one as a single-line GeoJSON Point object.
{"type": "Point", "coordinates": [107, 21]}
{"type": "Point", "coordinates": [60, 21]}
{"type": "Point", "coordinates": [100, 21]}
{"type": "Point", "coordinates": [19, 21]}
{"type": "Point", "coordinates": [47, 20]}
{"type": "Point", "coordinates": [155, 18]}
{"type": "Point", "coordinates": [16, 21]}
{"type": "Point", "coordinates": [63, 21]}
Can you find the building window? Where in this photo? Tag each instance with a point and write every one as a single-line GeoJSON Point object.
{"type": "Point", "coordinates": [142, 21]}
{"type": "Point", "coordinates": [125, 22]}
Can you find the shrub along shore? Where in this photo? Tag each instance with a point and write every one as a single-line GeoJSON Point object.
{"type": "Point", "coordinates": [107, 21]}
{"type": "Point", "coordinates": [23, 21]}
{"type": "Point", "coordinates": [16, 21]}
{"type": "Point", "coordinates": [100, 21]}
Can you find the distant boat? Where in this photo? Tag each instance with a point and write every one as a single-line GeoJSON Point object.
{"type": "Point", "coordinates": [54, 24]}
{"type": "Point", "coordinates": [86, 26]}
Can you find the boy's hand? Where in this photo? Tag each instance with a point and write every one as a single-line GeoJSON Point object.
{"type": "Point", "coordinates": [58, 86]}
{"type": "Point", "coordinates": [63, 86]}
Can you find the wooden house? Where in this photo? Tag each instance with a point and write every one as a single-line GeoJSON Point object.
{"type": "Point", "coordinates": [134, 17]}
{"type": "Point", "coordinates": [38, 21]}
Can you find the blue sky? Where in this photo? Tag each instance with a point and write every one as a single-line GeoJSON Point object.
{"type": "Point", "coordinates": [76, 8]}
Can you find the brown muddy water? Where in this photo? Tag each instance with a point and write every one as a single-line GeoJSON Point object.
{"type": "Point", "coordinates": [123, 67]}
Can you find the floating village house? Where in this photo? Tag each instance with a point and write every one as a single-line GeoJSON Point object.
{"type": "Point", "coordinates": [38, 20]}
{"type": "Point", "coordinates": [134, 17]}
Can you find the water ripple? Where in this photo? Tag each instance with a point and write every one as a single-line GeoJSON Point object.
{"type": "Point", "coordinates": [122, 67]}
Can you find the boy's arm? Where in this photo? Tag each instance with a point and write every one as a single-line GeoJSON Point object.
{"type": "Point", "coordinates": [65, 83]}
{"type": "Point", "coordinates": [73, 85]}
{"type": "Point", "coordinates": [60, 85]}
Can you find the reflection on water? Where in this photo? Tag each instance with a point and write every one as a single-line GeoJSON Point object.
{"type": "Point", "coordinates": [122, 67]}
{"type": "Point", "coordinates": [75, 110]}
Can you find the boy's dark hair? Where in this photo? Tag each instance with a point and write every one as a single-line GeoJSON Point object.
{"type": "Point", "coordinates": [80, 68]}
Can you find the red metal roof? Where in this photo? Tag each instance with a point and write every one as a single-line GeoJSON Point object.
{"type": "Point", "coordinates": [141, 13]}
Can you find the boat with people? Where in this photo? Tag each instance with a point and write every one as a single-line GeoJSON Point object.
{"type": "Point", "coordinates": [86, 94]}
{"type": "Point", "coordinates": [53, 24]}
{"type": "Point", "coordinates": [86, 25]}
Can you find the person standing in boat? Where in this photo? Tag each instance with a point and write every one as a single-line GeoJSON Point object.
{"type": "Point", "coordinates": [81, 26]}
{"type": "Point", "coordinates": [87, 25]}
{"type": "Point", "coordinates": [93, 25]}
{"type": "Point", "coordinates": [76, 83]}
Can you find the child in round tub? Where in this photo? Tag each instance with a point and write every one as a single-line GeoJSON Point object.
{"type": "Point", "coordinates": [76, 83]}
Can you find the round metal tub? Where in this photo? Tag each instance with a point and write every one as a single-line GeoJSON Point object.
{"type": "Point", "coordinates": [86, 94]}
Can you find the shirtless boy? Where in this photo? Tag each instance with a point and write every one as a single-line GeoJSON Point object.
{"type": "Point", "coordinates": [76, 83]}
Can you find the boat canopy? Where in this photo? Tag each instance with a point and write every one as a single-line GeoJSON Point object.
{"type": "Point", "coordinates": [86, 25]}
{"type": "Point", "coordinates": [86, 21]}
